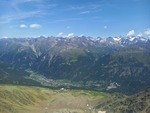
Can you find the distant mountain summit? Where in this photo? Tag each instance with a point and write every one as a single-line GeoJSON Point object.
{"type": "Point", "coordinates": [114, 63]}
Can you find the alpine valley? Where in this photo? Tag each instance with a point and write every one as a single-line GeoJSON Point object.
{"type": "Point", "coordinates": [77, 68]}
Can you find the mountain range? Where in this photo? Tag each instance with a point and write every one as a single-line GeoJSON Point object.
{"type": "Point", "coordinates": [113, 64]}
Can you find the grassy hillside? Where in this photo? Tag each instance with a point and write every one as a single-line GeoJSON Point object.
{"type": "Point", "coordinates": [117, 103]}
{"type": "Point", "coordinates": [23, 99]}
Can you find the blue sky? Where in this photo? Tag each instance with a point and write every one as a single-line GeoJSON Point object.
{"type": "Point", "coordinates": [32, 18]}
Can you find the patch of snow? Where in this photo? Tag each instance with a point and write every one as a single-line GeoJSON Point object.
{"type": "Point", "coordinates": [131, 39]}
{"type": "Point", "coordinates": [143, 39]}
{"type": "Point", "coordinates": [94, 39]}
{"type": "Point", "coordinates": [117, 39]}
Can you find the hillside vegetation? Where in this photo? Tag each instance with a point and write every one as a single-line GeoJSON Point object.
{"type": "Point", "coordinates": [12, 75]}
{"type": "Point", "coordinates": [25, 99]}
{"type": "Point", "coordinates": [138, 103]}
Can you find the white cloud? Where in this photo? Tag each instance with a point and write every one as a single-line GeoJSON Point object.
{"type": "Point", "coordinates": [70, 35]}
{"type": "Point", "coordinates": [18, 16]}
{"type": "Point", "coordinates": [76, 8]}
{"type": "Point", "coordinates": [140, 34]}
{"type": "Point", "coordinates": [15, 2]}
{"type": "Point", "coordinates": [35, 26]}
{"type": "Point", "coordinates": [84, 12]}
{"type": "Point", "coordinates": [23, 26]}
{"type": "Point", "coordinates": [60, 34]}
{"type": "Point", "coordinates": [105, 27]}
{"type": "Point", "coordinates": [147, 32]}
{"type": "Point", "coordinates": [131, 33]}
{"type": "Point", "coordinates": [65, 20]}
